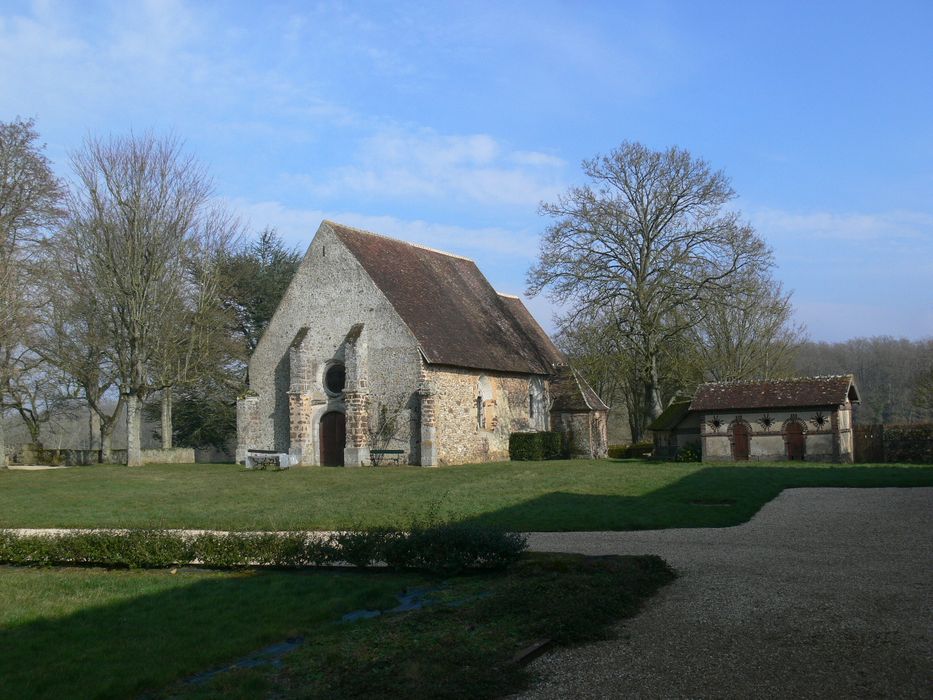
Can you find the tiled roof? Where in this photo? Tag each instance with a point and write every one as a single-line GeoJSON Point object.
{"type": "Point", "coordinates": [671, 416]}
{"type": "Point", "coordinates": [570, 392]}
{"type": "Point", "coordinates": [775, 393]}
{"type": "Point", "coordinates": [454, 313]}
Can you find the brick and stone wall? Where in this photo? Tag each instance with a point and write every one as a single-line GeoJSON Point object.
{"type": "Point", "coordinates": [827, 434]}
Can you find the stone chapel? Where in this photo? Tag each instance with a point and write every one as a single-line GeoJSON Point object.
{"type": "Point", "coordinates": [386, 346]}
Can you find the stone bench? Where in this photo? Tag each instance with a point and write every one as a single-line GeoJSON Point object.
{"type": "Point", "coordinates": [260, 459]}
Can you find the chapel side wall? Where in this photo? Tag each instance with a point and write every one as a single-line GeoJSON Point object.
{"type": "Point", "coordinates": [329, 294]}
{"type": "Point", "coordinates": [459, 437]}
{"type": "Point", "coordinates": [767, 442]}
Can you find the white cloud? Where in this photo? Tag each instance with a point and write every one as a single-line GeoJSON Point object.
{"type": "Point", "coordinates": [297, 227]}
{"type": "Point", "coordinates": [425, 164]}
{"type": "Point", "coordinates": [853, 227]}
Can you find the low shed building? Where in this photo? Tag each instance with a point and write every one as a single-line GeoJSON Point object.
{"type": "Point", "coordinates": [809, 418]}
{"type": "Point", "coordinates": [676, 428]}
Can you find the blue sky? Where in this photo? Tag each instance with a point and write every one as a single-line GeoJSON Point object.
{"type": "Point", "coordinates": [447, 123]}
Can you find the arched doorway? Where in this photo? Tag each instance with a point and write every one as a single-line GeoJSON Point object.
{"type": "Point", "coordinates": [333, 438]}
{"type": "Point", "coordinates": [740, 442]}
{"type": "Point", "coordinates": [795, 441]}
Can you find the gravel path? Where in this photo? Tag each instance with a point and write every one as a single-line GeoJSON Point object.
{"type": "Point", "coordinates": [824, 593]}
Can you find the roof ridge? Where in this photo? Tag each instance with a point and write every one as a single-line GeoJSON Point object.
{"type": "Point", "coordinates": [848, 375]}
{"type": "Point", "coordinates": [508, 296]}
{"type": "Point", "coordinates": [366, 232]}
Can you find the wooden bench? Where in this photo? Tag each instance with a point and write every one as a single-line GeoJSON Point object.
{"type": "Point", "coordinates": [377, 457]}
{"type": "Point", "coordinates": [260, 459]}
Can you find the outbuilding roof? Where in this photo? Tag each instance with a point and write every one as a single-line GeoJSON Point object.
{"type": "Point", "coordinates": [776, 393]}
{"type": "Point", "coordinates": [671, 416]}
{"type": "Point", "coordinates": [570, 392]}
{"type": "Point", "coordinates": [454, 313]}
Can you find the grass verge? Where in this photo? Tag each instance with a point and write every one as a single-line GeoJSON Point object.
{"type": "Point", "coordinates": [463, 646]}
{"type": "Point", "coordinates": [519, 496]}
{"type": "Point", "coordinates": [73, 632]}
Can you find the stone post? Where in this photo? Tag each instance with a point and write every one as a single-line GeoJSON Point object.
{"type": "Point", "coordinates": [301, 427]}
{"type": "Point", "coordinates": [247, 426]}
{"type": "Point", "coordinates": [428, 393]}
{"type": "Point", "coordinates": [356, 450]}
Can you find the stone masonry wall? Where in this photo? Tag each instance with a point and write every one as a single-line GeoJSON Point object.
{"type": "Point", "coordinates": [329, 295]}
{"type": "Point", "coordinates": [460, 437]}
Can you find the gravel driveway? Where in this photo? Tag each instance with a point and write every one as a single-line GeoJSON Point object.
{"type": "Point", "coordinates": [824, 593]}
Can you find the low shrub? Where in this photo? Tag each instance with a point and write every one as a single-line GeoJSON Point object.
{"type": "Point", "coordinates": [451, 548]}
{"type": "Point", "coordinates": [535, 446]}
{"type": "Point", "coordinates": [635, 451]}
{"type": "Point", "coordinates": [690, 452]}
{"type": "Point", "coordinates": [437, 548]}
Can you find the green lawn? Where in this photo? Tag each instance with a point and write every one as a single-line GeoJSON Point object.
{"type": "Point", "coordinates": [93, 633]}
{"type": "Point", "coordinates": [527, 496]}
{"type": "Point", "coordinates": [81, 633]}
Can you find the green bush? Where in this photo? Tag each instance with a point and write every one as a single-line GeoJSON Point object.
{"type": "Point", "coordinates": [636, 451]}
{"type": "Point", "coordinates": [551, 445]}
{"type": "Point", "coordinates": [451, 548]}
{"type": "Point", "coordinates": [690, 452]}
{"type": "Point", "coordinates": [437, 548]}
{"type": "Point", "coordinates": [535, 446]}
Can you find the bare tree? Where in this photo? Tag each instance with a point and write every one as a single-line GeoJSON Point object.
{"type": "Point", "coordinates": [139, 213]}
{"type": "Point", "coordinates": [195, 344]}
{"type": "Point", "coordinates": [647, 246]}
{"type": "Point", "coordinates": [76, 337]}
{"type": "Point", "coordinates": [750, 334]}
{"type": "Point", "coordinates": [30, 196]}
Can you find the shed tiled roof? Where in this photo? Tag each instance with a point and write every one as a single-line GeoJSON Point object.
{"type": "Point", "coordinates": [454, 313]}
{"type": "Point", "coordinates": [671, 416]}
{"type": "Point", "coordinates": [570, 392]}
{"type": "Point", "coordinates": [775, 393]}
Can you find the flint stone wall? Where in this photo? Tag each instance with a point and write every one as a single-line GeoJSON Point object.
{"type": "Point", "coordinates": [329, 294]}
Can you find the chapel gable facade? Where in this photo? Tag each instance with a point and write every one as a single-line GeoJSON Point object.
{"type": "Point", "coordinates": [384, 347]}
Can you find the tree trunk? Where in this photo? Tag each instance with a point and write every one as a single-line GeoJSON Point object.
{"type": "Point", "coordinates": [167, 418]}
{"type": "Point", "coordinates": [93, 430]}
{"type": "Point", "coordinates": [653, 405]}
{"type": "Point", "coordinates": [134, 430]}
{"type": "Point", "coordinates": [106, 442]}
{"type": "Point", "coordinates": [2, 445]}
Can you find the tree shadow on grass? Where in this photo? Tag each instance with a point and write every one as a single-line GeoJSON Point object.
{"type": "Point", "coordinates": [711, 497]}
{"type": "Point", "coordinates": [123, 648]}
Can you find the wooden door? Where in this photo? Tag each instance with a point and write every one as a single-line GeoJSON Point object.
{"type": "Point", "coordinates": [333, 438]}
{"type": "Point", "coordinates": [796, 441]}
{"type": "Point", "coordinates": [740, 442]}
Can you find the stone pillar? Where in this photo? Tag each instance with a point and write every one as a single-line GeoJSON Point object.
{"type": "Point", "coordinates": [428, 393]}
{"type": "Point", "coordinates": [356, 450]}
{"type": "Point", "coordinates": [301, 427]}
{"type": "Point", "coordinates": [247, 426]}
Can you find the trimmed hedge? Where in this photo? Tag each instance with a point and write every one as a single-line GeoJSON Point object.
{"type": "Point", "coordinates": [437, 548]}
{"type": "Point", "coordinates": [535, 446]}
{"type": "Point", "coordinates": [636, 451]}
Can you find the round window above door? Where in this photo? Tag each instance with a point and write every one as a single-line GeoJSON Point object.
{"type": "Point", "coordinates": [335, 378]}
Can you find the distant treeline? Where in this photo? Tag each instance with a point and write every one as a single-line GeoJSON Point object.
{"type": "Point", "coordinates": [892, 374]}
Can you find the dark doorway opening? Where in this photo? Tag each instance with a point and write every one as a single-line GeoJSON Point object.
{"type": "Point", "coordinates": [796, 441]}
{"type": "Point", "coordinates": [333, 438]}
{"type": "Point", "coordinates": [740, 442]}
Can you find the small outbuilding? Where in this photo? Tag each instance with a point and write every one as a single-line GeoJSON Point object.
{"type": "Point", "coordinates": [808, 418]}
{"type": "Point", "coordinates": [676, 428]}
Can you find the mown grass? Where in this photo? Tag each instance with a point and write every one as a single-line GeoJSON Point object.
{"type": "Point", "coordinates": [527, 496]}
{"type": "Point", "coordinates": [79, 633]}
{"type": "Point", "coordinates": [83, 633]}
